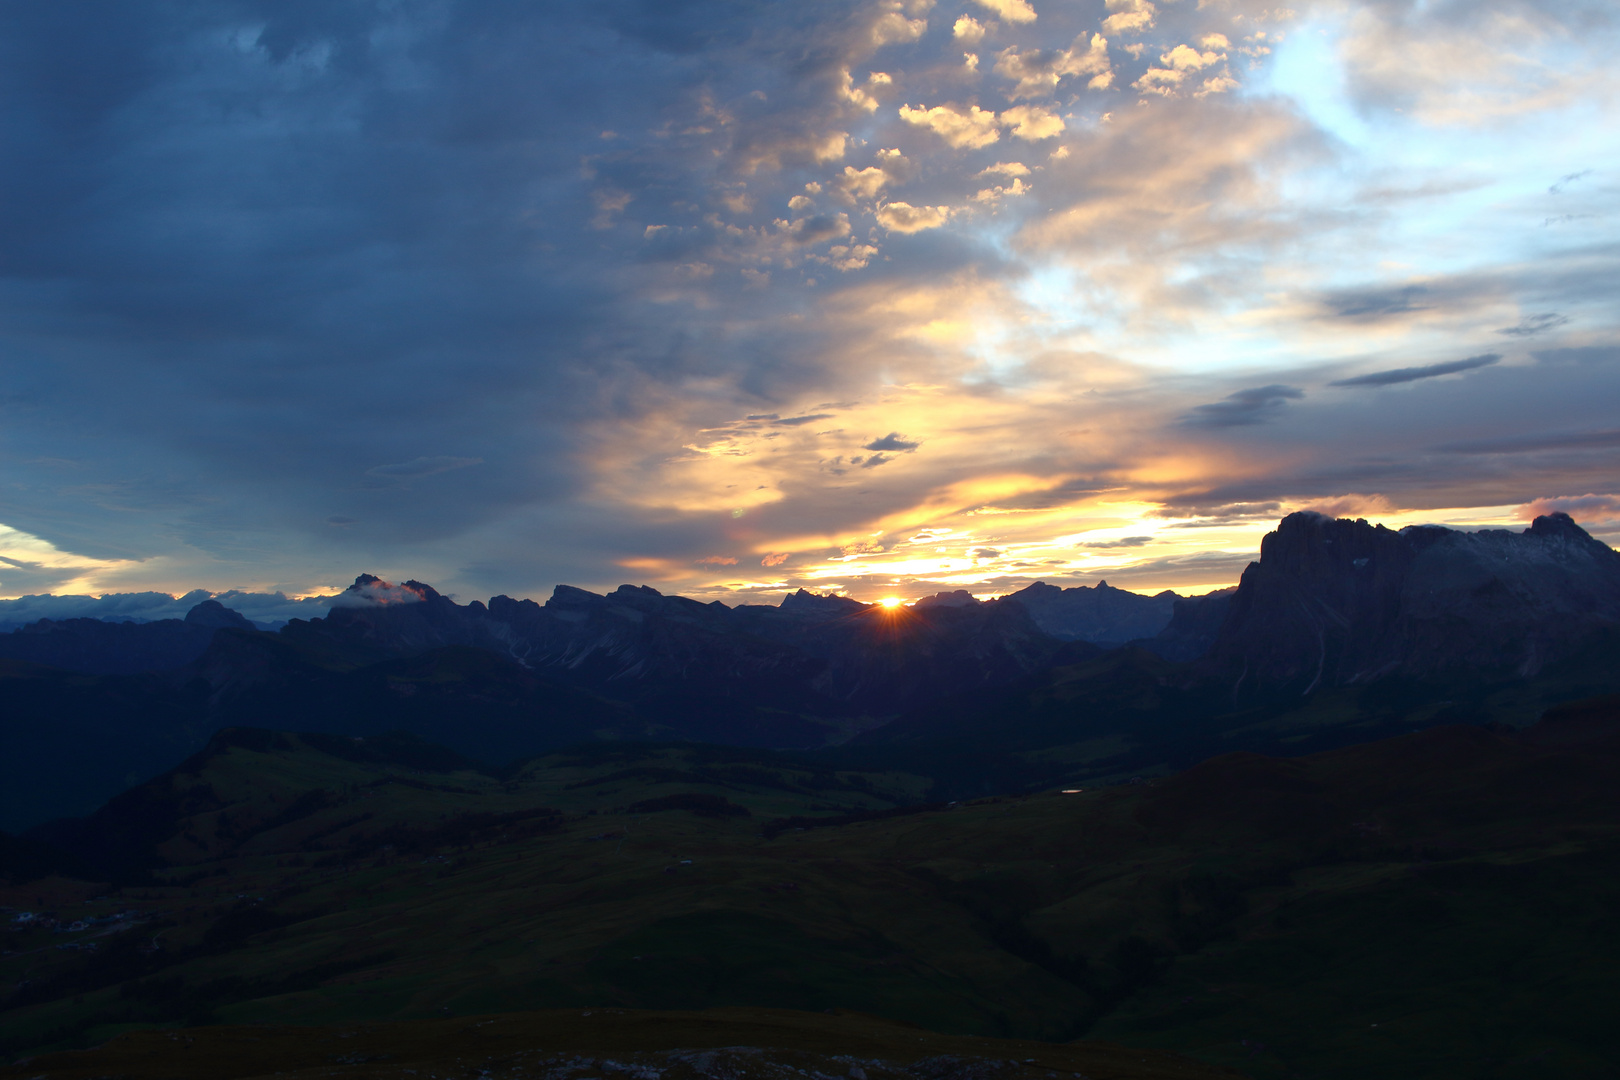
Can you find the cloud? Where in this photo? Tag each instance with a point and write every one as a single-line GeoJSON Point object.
{"type": "Point", "coordinates": [1032, 122]}
{"type": "Point", "coordinates": [891, 441]}
{"type": "Point", "coordinates": [1160, 80]}
{"type": "Point", "coordinates": [1129, 16]}
{"type": "Point", "coordinates": [1216, 84]}
{"type": "Point", "coordinates": [813, 230]}
{"type": "Point", "coordinates": [420, 467]}
{"type": "Point", "coordinates": [968, 30]}
{"type": "Point", "coordinates": [972, 128]}
{"type": "Point", "coordinates": [1475, 65]}
{"type": "Point", "coordinates": [863, 183]}
{"type": "Point", "coordinates": [1567, 179]}
{"type": "Point", "coordinates": [1245, 407]}
{"type": "Point", "coordinates": [1014, 11]}
{"type": "Point", "coordinates": [1535, 324]}
{"type": "Point", "coordinates": [902, 217]}
{"type": "Point", "coordinates": [1006, 168]}
{"type": "Point", "coordinates": [377, 593]}
{"type": "Point", "coordinates": [995, 194]}
{"type": "Point", "coordinates": [1038, 73]}
{"type": "Point", "coordinates": [1349, 506]}
{"type": "Point", "coordinates": [863, 97]}
{"type": "Point", "coordinates": [776, 559]}
{"type": "Point", "coordinates": [875, 460]}
{"type": "Point", "coordinates": [892, 168]}
{"type": "Point", "coordinates": [1187, 58]}
{"type": "Point", "coordinates": [1196, 505]}
{"type": "Point", "coordinates": [1579, 507]}
{"type": "Point", "coordinates": [1535, 443]}
{"type": "Point", "coordinates": [716, 560]}
{"type": "Point", "coordinates": [892, 27]}
{"type": "Point", "coordinates": [1413, 374]}
{"type": "Point", "coordinates": [1122, 542]}
{"type": "Point", "coordinates": [1400, 301]}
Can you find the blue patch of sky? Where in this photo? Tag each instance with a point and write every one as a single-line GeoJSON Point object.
{"type": "Point", "coordinates": [1488, 175]}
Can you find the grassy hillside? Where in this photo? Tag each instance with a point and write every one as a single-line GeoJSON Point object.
{"type": "Point", "coordinates": [1435, 905]}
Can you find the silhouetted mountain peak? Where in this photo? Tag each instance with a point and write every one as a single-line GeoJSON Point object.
{"type": "Point", "coordinates": [214, 615]}
{"type": "Point", "coordinates": [1560, 524]}
{"type": "Point", "coordinates": [805, 602]}
{"type": "Point", "coordinates": [567, 596]}
{"type": "Point", "coordinates": [426, 592]}
{"type": "Point", "coordinates": [958, 598]}
{"type": "Point", "coordinates": [1100, 614]}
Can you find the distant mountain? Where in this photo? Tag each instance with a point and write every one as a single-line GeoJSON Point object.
{"type": "Point", "coordinates": [118, 648]}
{"type": "Point", "coordinates": [827, 656]}
{"type": "Point", "coordinates": [1101, 614]}
{"type": "Point", "coordinates": [1340, 602]}
{"type": "Point", "coordinates": [1195, 623]}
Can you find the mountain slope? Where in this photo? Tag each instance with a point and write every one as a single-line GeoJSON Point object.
{"type": "Point", "coordinates": [1259, 913]}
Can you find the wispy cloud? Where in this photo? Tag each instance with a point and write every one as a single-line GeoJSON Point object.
{"type": "Point", "coordinates": [1395, 376]}
{"type": "Point", "coordinates": [421, 467]}
{"type": "Point", "coordinates": [1245, 407]}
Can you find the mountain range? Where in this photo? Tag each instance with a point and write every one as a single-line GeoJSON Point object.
{"type": "Point", "coordinates": [1346, 629]}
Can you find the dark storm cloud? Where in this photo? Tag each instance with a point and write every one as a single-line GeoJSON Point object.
{"type": "Point", "coordinates": [1413, 374]}
{"type": "Point", "coordinates": [1245, 407]}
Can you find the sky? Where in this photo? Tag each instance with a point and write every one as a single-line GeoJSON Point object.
{"type": "Point", "coordinates": [733, 297]}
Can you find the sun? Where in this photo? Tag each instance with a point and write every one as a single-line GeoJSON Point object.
{"type": "Point", "coordinates": [890, 601]}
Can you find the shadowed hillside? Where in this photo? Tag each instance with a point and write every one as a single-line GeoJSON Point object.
{"type": "Point", "coordinates": [1382, 909]}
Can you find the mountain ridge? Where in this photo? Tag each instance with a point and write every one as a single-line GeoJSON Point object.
{"type": "Point", "coordinates": [1341, 629]}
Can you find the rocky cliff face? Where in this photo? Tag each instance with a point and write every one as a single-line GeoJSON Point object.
{"type": "Point", "coordinates": [1338, 602]}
